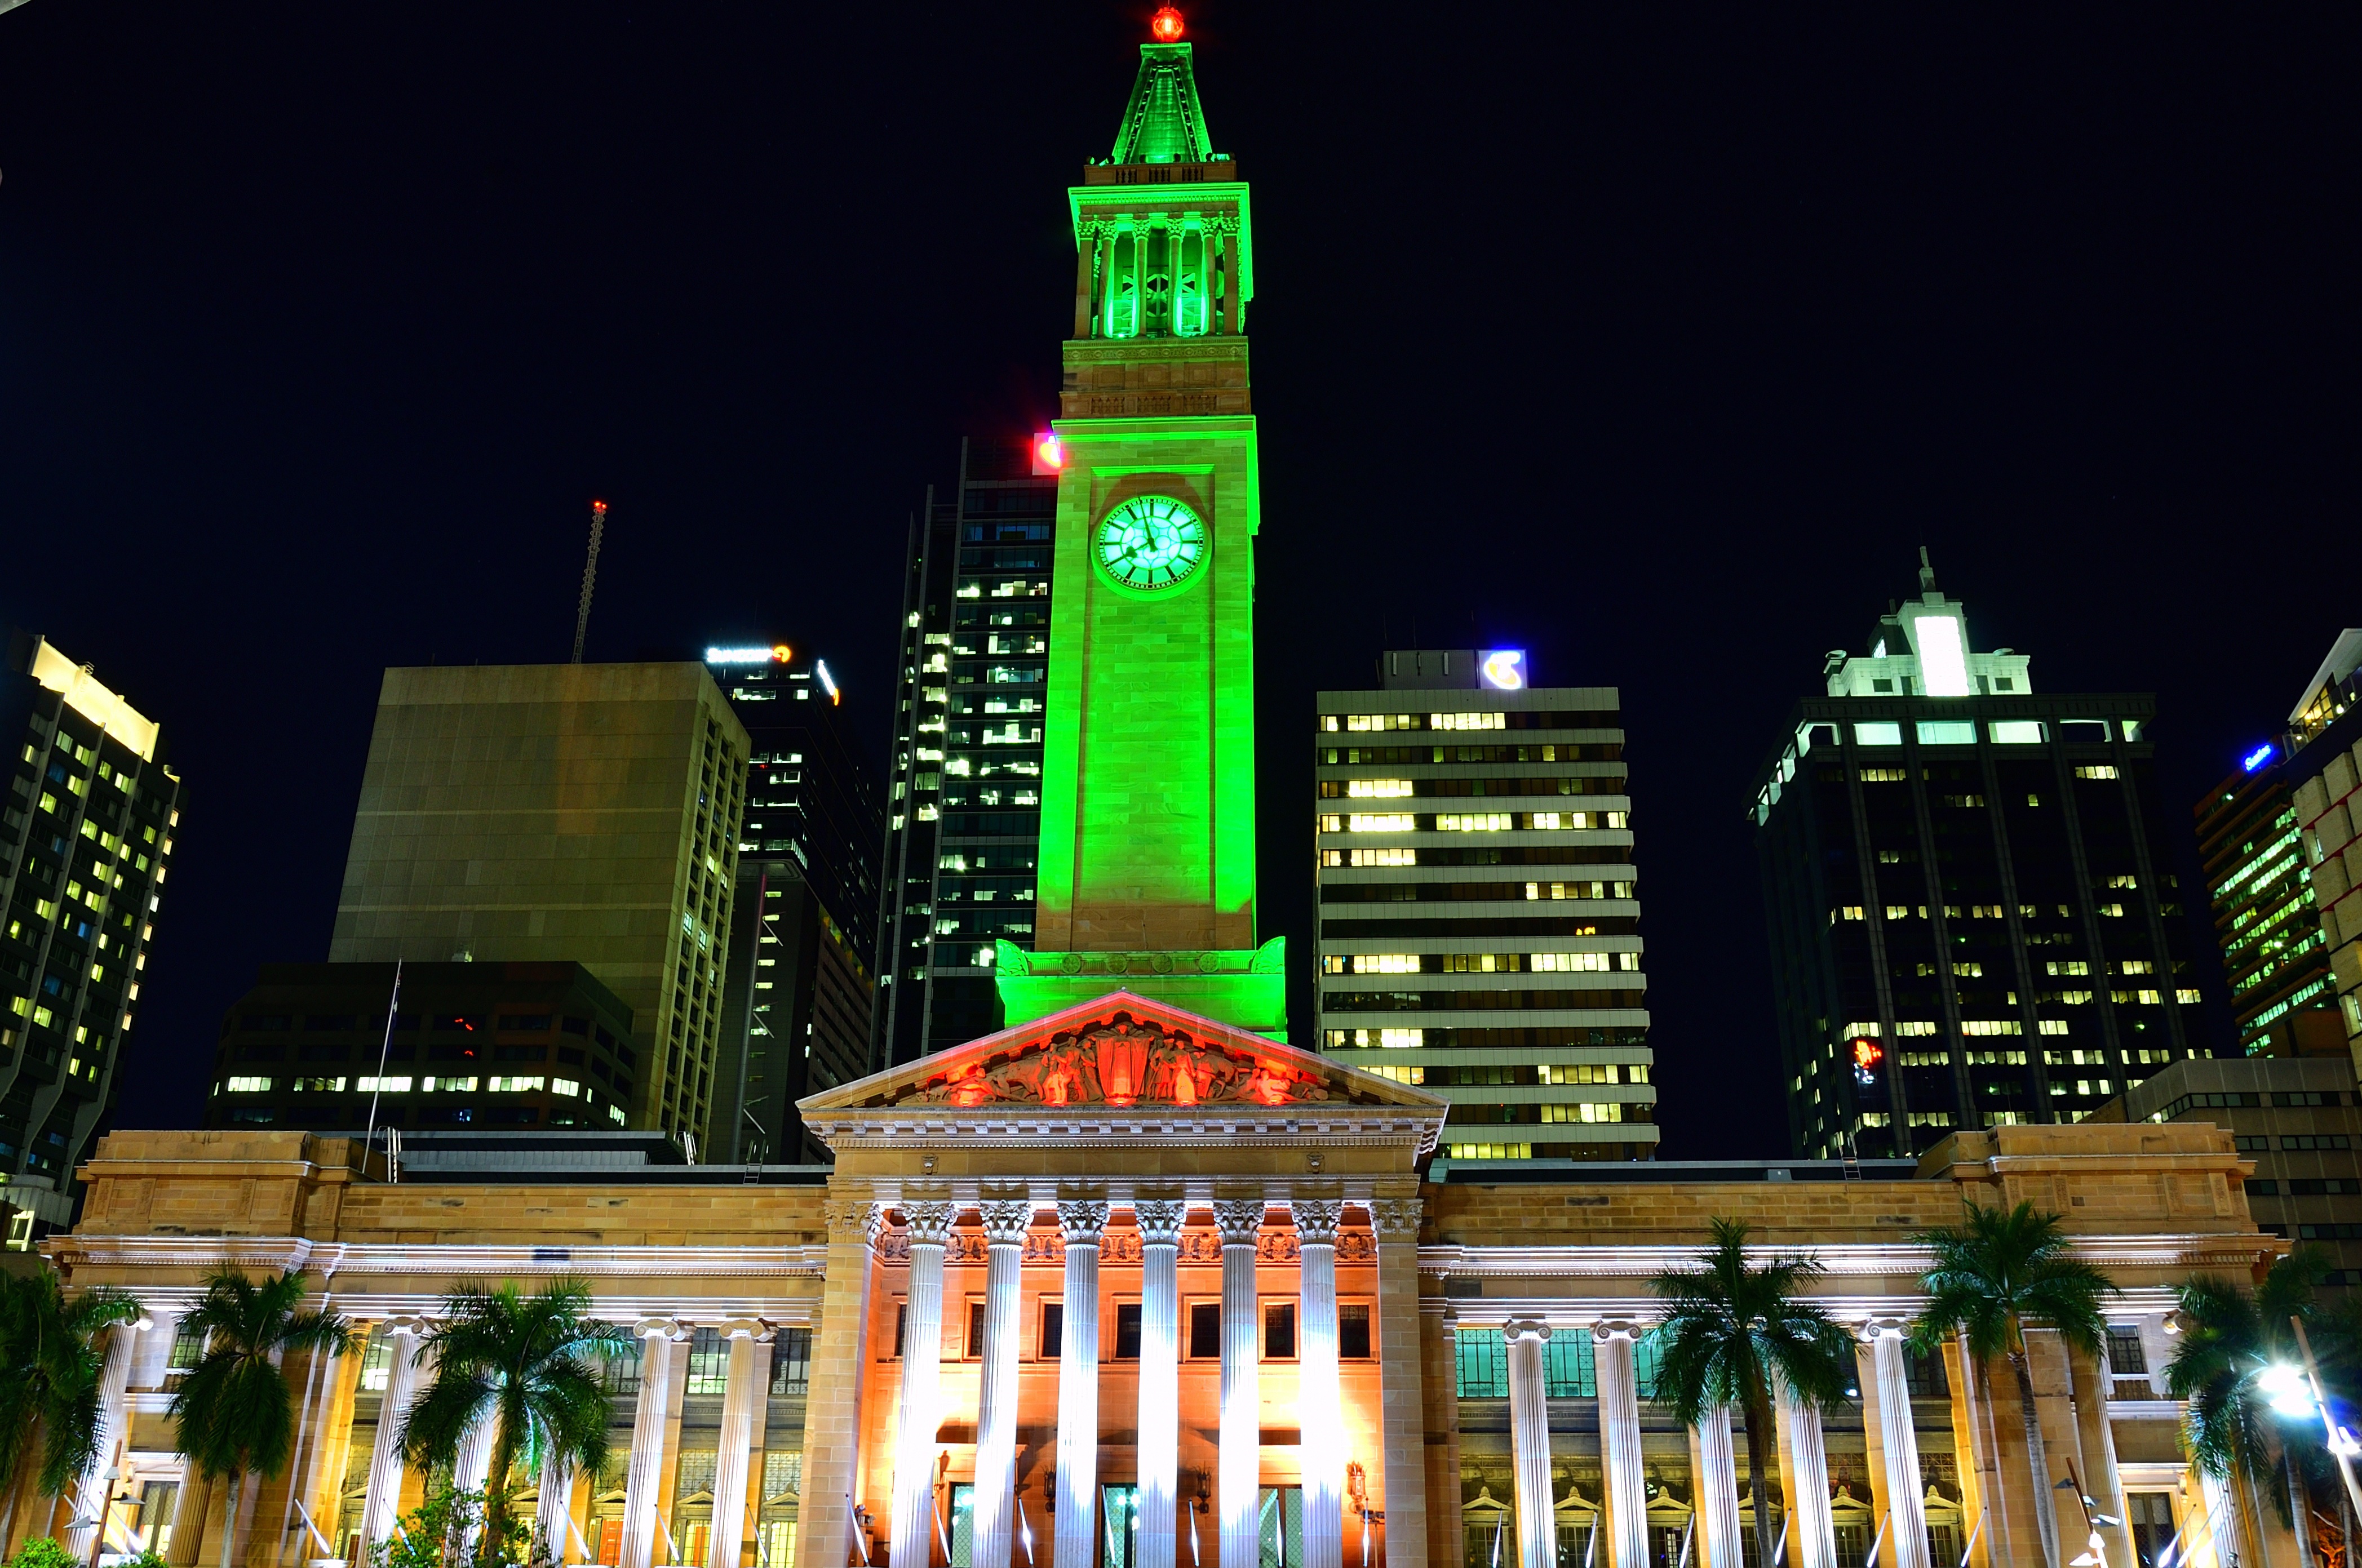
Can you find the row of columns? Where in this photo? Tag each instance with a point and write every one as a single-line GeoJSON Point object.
{"type": "Point", "coordinates": [1082, 1224]}
{"type": "Point", "coordinates": [1713, 1460]}
{"type": "Point", "coordinates": [1095, 264]}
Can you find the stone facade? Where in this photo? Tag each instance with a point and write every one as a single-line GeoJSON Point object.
{"type": "Point", "coordinates": [1488, 1341]}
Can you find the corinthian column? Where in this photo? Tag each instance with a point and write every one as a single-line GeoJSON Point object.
{"type": "Point", "coordinates": [1159, 1221]}
{"type": "Point", "coordinates": [1530, 1443]}
{"type": "Point", "coordinates": [1320, 1410]}
{"type": "Point", "coordinates": [1717, 1469]}
{"type": "Point", "coordinates": [1005, 1225]}
{"type": "Point", "coordinates": [739, 1395]}
{"type": "Point", "coordinates": [1907, 1508]}
{"type": "Point", "coordinates": [644, 1475]}
{"type": "Point", "coordinates": [1082, 1222]}
{"type": "Point", "coordinates": [833, 1431]}
{"type": "Point", "coordinates": [92, 1489]}
{"type": "Point", "coordinates": [929, 1225]}
{"type": "Point", "coordinates": [382, 1501]}
{"type": "Point", "coordinates": [1238, 1468]}
{"type": "Point", "coordinates": [1619, 1443]}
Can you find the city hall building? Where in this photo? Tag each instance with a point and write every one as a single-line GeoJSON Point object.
{"type": "Point", "coordinates": [1133, 1282]}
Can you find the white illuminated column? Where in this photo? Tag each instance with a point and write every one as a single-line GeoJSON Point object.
{"type": "Point", "coordinates": [1320, 1408]}
{"type": "Point", "coordinates": [740, 1394]}
{"type": "Point", "coordinates": [382, 1501]}
{"type": "Point", "coordinates": [1238, 1463]}
{"type": "Point", "coordinates": [930, 1226]}
{"type": "Point", "coordinates": [1005, 1222]}
{"type": "Point", "coordinates": [1718, 1489]}
{"type": "Point", "coordinates": [644, 1475]}
{"type": "Point", "coordinates": [1619, 1442]}
{"type": "Point", "coordinates": [1529, 1442]}
{"type": "Point", "coordinates": [1081, 1222]}
{"type": "Point", "coordinates": [1907, 1508]}
{"type": "Point", "coordinates": [1808, 1489]}
{"type": "Point", "coordinates": [553, 1515]}
{"type": "Point", "coordinates": [95, 1486]}
{"type": "Point", "coordinates": [1159, 1221]}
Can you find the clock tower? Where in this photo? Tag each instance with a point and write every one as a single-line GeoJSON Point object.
{"type": "Point", "coordinates": [1146, 879]}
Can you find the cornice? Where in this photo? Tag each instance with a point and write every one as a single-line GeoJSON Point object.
{"type": "Point", "coordinates": [1838, 1259]}
{"type": "Point", "coordinates": [344, 1259]}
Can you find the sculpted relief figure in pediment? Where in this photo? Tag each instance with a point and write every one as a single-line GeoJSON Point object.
{"type": "Point", "coordinates": [1123, 1062]}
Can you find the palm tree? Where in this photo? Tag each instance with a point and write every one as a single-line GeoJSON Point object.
{"type": "Point", "coordinates": [527, 1364]}
{"type": "Point", "coordinates": [49, 1366]}
{"type": "Point", "coordinates": [1729, 1327]}
{"type": "Point", "coordinates": [2229, 1335]}
{"type": "Point", "coordinates": [1994, 1274]}
{"type": "Point", "coordinates": [234, 1414]}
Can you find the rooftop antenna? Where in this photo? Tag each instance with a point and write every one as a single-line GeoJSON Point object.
{"type": "Point", "coordinates": [591, 576]}
{"type": "Point", "coordinates": [1927, 572]}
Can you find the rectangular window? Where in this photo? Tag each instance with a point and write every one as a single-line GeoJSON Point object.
{"type": "Point", "coordinates": [1481, 1358]}
{"type": "Point", "coordinates": [2126, 1356]}
{"type": "Point", "coordinates": [375, 1363]}
{"type": "Point", "coordinates": [709, 1364]}
{"type": "Point", "coordinates": [791, 1363]}
{"type": "Point", "coordinates": [1053, 1330]}
{"type": "Point", "coordinates": [1352, 1330]}
{"type": "Point", "coordinates": [1204, 1330]}
{"type": "Point", "coordinates": [1279, 1331]}
{"type": "Point", "coordinates": [1127, 1331]}
{"type": "Point", "coordinates": [783, 1475]}
{"type": "Point", "coordinates": [974, 1326]}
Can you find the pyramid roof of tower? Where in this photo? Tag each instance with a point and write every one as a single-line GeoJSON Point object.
{"type": "Point", "coordinates": [1163, 122]}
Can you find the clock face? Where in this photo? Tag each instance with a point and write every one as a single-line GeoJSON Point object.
{"type": "Point", "coordinates": [1150, 542]}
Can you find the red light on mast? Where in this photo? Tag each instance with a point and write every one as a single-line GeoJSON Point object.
{"type": "Point", "coordinates": [1165, 26]}
{"type": "Point", "coordinates": [599, 506]}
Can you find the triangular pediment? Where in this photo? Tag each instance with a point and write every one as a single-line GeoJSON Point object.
{"type": "Point", "coordinates": [1122, 1050]}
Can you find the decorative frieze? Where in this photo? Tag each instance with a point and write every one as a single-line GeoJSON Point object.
{"type": "Point", "coordinates": [1045, 1249]}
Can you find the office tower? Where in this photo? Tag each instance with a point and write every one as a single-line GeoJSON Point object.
{"type": "Point", "coordinates": [1966, 884]}
{"type": "Point", "coordinates": [556, 813]}
{"type": "Point", "coordinates": [976, 659]}
{"type": "Point", "coordinates": [2325, 742]}
{"type": "Point", "coordinates": [478, 1046]}
{"type": "Point", "coordinates": [87, 828]}
{"type": "Point", "coordinates": [797, 990]}
{"type": "Point", "coordinates": [1479, 912]}
{"type": "Point", "coordinates": [1147, 864]}
{"type": "Point", "coordinates": [2259, 887]}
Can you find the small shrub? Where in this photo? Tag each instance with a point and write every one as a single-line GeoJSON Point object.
{"type": "Point", "coordinates": [42, 1553]}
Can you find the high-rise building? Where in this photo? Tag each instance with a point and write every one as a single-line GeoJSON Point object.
{"type": "Point", "coordinates": [1973, 919]}
{"type": "Point", "coordinates": [477, 1045]}
{"type": "Point", "coordinates": [964, 839]}
{"type": "Point", "coordinates": [1479, 912]}
{"type": "Point", "coordinates": [2325, 744]}
{"type": "Point", "coordinates": [2259, 886]}
{"type": "Point", "coordinates": [797, 991]}
{"type": "Point", "coordinates": [556, 813]}
{"type": "Point", "coordinates": [85, 834]}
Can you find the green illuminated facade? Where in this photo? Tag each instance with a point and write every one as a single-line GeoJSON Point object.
{"type": "Point", "coordinates": [1147, 868]}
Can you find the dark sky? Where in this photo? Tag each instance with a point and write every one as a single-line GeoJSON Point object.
{"type": "Point", "coordinates": [1655, 339]}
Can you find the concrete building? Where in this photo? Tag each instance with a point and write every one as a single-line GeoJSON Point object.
{"type": "Point", "coordinates": [2298, 1121]}
{"type": "Point", "coordinates": [1973, 915]}
{"type": "Point", "coordinates": [561, 813]}
{"type": "Point", "coordinates": [1479, 910]}
{"type": "Point", "coordinates": [797, 992]}
{"type": "Point", "coordinates": [86, 833]}
{"type": "Point", "coordinates": [2259, 886]}
{"type": "Point", "coordinates": [2326, 743]}
{"type": "Point", "coordinates": [914, 795]}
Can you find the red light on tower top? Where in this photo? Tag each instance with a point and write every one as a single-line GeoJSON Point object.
{"type": "Point", "coordinates": [1165, 26]}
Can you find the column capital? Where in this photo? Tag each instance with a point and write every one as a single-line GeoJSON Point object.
{"type": "Point", "coordinates": [1517, 1329]}
{"type": "Point", "coordinates": [853, 1220]}
{"type": "Point", "coordinates": [1160, 1220]}
{"type": "Point", "coordinates": [407, 1325]}
{"type": "Point", "coordinates": [1006, 1220]}
{"type": "Point", "coordinates": [929, 1220]}
{"type": "Point", "coordinates": [1082, 1221]}
{"type": "Point", "coordinates": [1316, 1220]}
{"type": "Point", "coordinates": [755, 1329]}
{"type": "Point", "coordinates": [1617, 1328]}
{"type": "Point", "coordinates": [1240, 1219]}
{"type": "Point", "coordinates": [660, 1328]}
{"type": "Point", "coordinates": [1875, 1329]}
{"type": "Point", "coordinates": [1396, 1219]}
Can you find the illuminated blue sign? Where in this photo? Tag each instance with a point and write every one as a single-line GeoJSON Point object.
{"type": "Point", "coordinates": [1503, 669]}
{"type": "Point", "coordinates": [2257, 758]}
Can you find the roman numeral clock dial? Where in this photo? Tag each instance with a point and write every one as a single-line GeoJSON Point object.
{"type": "Point", "coordinates": [1151, 543]}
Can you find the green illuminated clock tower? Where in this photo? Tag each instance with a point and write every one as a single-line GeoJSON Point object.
{"type": "Point", "coordinates": [1147, 871]}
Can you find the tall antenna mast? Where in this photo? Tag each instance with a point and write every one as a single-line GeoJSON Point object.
{"type": "Point", "coordinates": [589, 576]}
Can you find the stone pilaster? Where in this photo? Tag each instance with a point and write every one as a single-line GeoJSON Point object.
{"type": "Point", "coordinates": [1402, 1419]}
{"type": "Point", "coordinates": [1320, 1410]}
{"type": "Point", "coordinates": [1238, 1463]}
{"type": "Point", "coordinates": [1159, 1221]}
{"type": "Point", "coordinates": [1530, 1443]}
{"type": "Point", "coordinates": [833, 1429]}
{"type": "Point", "coordinates": [1005, 1221]}
{"type": "Point", "coordinates": [1082, 1223]}
{"type": "Point", "coordinates": [1619, 1443]}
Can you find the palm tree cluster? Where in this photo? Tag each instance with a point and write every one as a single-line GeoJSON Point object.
{"type": "Point", "coordinates": [50, 1369]}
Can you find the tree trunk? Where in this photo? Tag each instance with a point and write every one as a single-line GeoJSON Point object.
{"type": "Point", "coordinates": [2046, 1514]}
{"type": "Point", "coordinates": [2300, 1510]}
{"type": "Point", "coordinates": [229, 1520]}
{"type": "Point", "coordinates": [1758, 1419]}
{"type": "Point", "coordinates": [496, 1487]}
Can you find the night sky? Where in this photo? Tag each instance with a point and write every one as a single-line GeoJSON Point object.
{"type": "Point", "coordinates": [1655, 343]}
